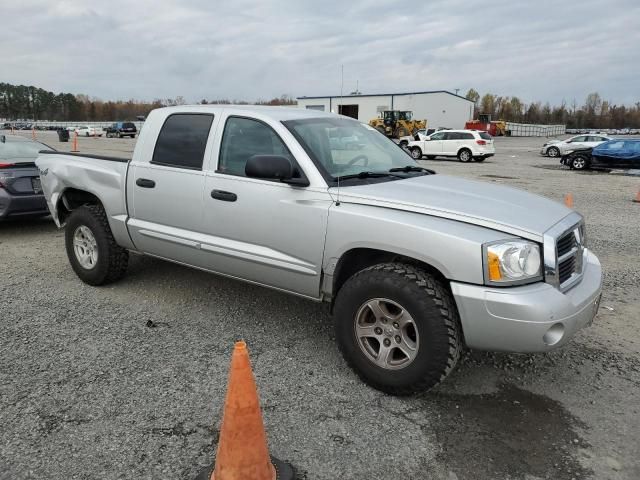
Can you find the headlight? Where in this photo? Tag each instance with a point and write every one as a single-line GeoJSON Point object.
{"type": "Point", "coordinates": [511, 262]}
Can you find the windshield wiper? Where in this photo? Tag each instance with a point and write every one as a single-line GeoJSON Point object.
{"type": "Point", "coordinates": [412, 168]}
{"type": "Point", "coordinates": [366, 175]}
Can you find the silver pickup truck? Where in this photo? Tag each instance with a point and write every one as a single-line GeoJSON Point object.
{"type": "Point", "coordinates": [415, 265]}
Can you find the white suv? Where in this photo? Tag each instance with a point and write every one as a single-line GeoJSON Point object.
{"type": "Point", "coordinates": [467, 145]}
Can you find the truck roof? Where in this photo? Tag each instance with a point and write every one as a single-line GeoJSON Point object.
{"type": "Point", "coordinates": [274, 112]}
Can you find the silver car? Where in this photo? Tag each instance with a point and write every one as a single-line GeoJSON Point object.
{"type": "Point", "coordinates": [556, 147]}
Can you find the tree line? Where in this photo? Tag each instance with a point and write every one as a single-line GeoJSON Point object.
{"type": "Point", "coordinates": [594, 113]}
{"type": "Point", "coordinates": [21, 102]}
{"type": "Point", "coordinates": [33, 103]}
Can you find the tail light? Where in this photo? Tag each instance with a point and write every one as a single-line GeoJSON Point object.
{"type": "Point", "coordinates": [481, 142]}
{"type": "Point", "coordinates": [5, 176]}
{"type": "Point", "coordinates": [6, 165]}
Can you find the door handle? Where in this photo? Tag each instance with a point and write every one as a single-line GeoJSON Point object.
{"type": "Point", "coordinates": [145, 183]}
{"type": "Point", "coordinates": [224, 196]}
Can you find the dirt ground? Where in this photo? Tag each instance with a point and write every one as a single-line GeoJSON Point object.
{"type": "Point", "coordinates": [128, 381]}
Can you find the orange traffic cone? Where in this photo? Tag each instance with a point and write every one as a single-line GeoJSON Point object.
{"type": "Point", "coordinates": [74, 147]}
{"type": "Point", "coordinates": [637, 199]}
{"type": "Point", "coordinates": [568, 200]}
{"type": "Point", "coordinates": [242, 448]}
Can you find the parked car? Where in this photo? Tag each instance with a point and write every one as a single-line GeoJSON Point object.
{"type": "Point", "coordinates": [615, 153]}
{"type": "Point", "coordinates": [414, 264]}
{"type": "Point", "coordinates": [89, 131]}
{"type": "Point", "coordinates": [20, 188]}
{"type": "Point", "coordinates": [467, 145]}
{"type": "Point", "coordinates": [121, 129]}
{"type": "Point", "coordinates": [419, 135]}
{"type": "Point", "coordinates": [556, 147]}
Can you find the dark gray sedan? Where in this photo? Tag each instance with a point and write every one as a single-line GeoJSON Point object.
{"type": "Point", "coordinates": [20, 189]}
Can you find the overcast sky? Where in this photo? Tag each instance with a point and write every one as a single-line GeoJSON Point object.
{"type": "Point", "coordinates": [240, 49]}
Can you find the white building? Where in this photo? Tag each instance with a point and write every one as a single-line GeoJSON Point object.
{"type": "Point", "coordinates": [440, 108]}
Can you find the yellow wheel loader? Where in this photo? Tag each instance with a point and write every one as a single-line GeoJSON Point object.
{"type": "Point", "coordinates": [396, 123]}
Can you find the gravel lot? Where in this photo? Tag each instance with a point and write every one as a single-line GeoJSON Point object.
{"type": "Point", "coordinates": [127, 381]}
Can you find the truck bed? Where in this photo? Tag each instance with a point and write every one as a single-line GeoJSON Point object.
{"type": "Point", "coordinates": [99, 175]}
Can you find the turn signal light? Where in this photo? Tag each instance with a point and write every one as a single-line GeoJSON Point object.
{"type": "Point", "coordinates": [494, 267]}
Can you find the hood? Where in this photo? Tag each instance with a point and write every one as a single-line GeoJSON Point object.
{"type": "Point", "coordinates": [493, 206]}
{"type": "Point", "coordinates": [554, 141]}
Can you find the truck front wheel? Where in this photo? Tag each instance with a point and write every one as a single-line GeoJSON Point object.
{"type": "Point", "coordinates": [397, 327]}
{"type": "Point", "coordinates": [93, 253]}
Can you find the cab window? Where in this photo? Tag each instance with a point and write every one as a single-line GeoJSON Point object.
{"type": "Point", "coordinates": [244, 138]}
{"type": "Point", "coordinates": [182, 141]}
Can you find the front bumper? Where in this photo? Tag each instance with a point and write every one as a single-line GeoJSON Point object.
{"type": "Point", "coordinates": [531, 318]}
{"type": "Point", "coordinates": [22, 205]}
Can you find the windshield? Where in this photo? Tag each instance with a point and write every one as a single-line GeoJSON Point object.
{"type": "Point", "coordinates": [346, 147]}
{"type": "Point", "coordinates": [18, 149]}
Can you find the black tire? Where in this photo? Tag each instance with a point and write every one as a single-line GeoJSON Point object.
{"type": "Point", "coordinates": [579, 162]}
{"type": "Point", "coordinates": [553, 152]}
{"type": "Point", "coordinates": [108, 135]}
{"type": "Point", "coordinates": [433, 311]}
{"type": "Point", "coordinates": [416, 153]}
{"type": "Point", "coordinates": [465, 155]}
{"type": "Point", "coordinates": [86, 134]}
{"type": "Point", "coordinates": [403, 144]}
{"type": "Point", "coordinates": [431, 157]}
{"type": "Point", "coordinates": [119, 135]}
{"type": "Point", "coordinates": [133, 136]}
{"type": "Point", "coordinates": [111, 264]}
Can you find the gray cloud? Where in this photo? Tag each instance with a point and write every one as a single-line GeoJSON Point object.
{"type": "Point", "coordinates": [245, 49]}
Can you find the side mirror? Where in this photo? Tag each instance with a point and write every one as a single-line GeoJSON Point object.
{"type": "Point", "coordinates": [272, 167]}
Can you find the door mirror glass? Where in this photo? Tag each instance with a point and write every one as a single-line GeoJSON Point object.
{"type": "Point", "coordinates": [272, 167]}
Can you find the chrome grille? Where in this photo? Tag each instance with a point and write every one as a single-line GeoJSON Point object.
{"type": "Point", "coordinates": [566, 252]}
{"type": "Point", "coordinates": [563, 252]}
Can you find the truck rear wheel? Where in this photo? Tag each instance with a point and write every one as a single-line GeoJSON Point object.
{"type": "Point", "coordinates": [93, 252]}
{"type": "Point", "coordinates": [397, 327]}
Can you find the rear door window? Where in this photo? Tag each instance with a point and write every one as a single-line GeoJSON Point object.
{"type": "Point", "coordinates": [485, 136]}
{"type": "Point", "coordinates": [182, 140]}
{"type": "Point", "coordinates": [466, 136]}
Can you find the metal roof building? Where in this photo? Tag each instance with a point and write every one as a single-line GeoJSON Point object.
{"type": "Point", "coordinates": [439, 107]}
